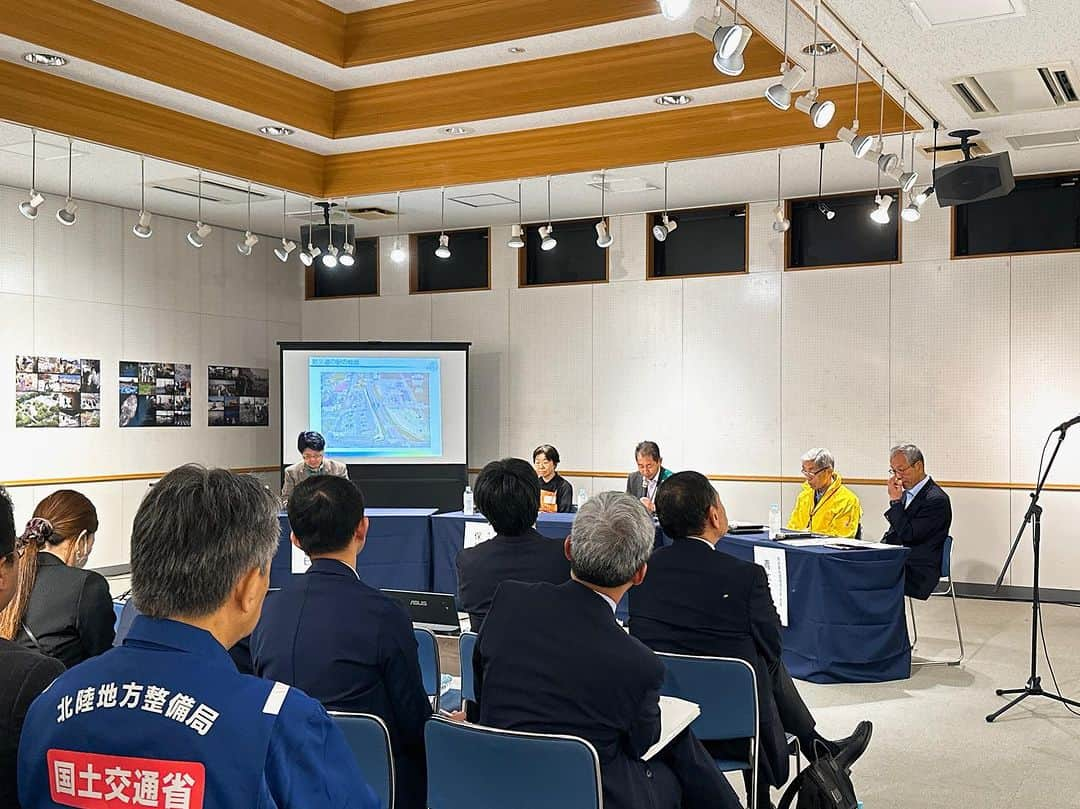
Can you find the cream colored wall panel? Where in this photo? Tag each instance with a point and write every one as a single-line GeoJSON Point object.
{"type": "Point", "coordinates": [637, 385]}
{"type": "Point", "coordinates": [731, 374]}
{"type": "Point", "coordinates": [874, 501]}
{"type": "Point", "coordinates": [284, 288]}
{"type": "Point", "coordinates": [331, 319]}
{"type": "Point", "coordinates": [950, 366]}
{"type": "Point", "coordinates": [163, 271]}
{"type": "Point", "coordinates": [750, 502]}
{"type": "Point", "coordinates": [397, 318]}
{"type": "Point", "coordinates": [836, 367]}
{"type": "Point", "coordinates": [504, 260]}
{"type": "Point", "coordinates": [231, 284]}
{"type": "Point", "coordinates": [928, 239]}
{"type": "Point", "coordinates": [550, 364]}
{"type": "Point", "coordinates": [481, 318]}
{"type": "Point", "coordinates": [1045, 362]}
{"type": "Point", "coordinates": [234, 341]}
{"type": "Point", "coordinates": [766, 247]}
{"type": "Point", "coordinates": [16, 244]}
{"type": "Point", "coordinates": [982, 530]}
{"type": "Point", "coordinates": [132, 494]}
{"type": "Point", "coordinates": [17, 337]}
{"type": "Point", "coordinates": [159, 335]}
{"type": "Point", "coordinates": [84, 261]}
{"type": "Point", "coordinates": [1060, 550]}
{"type": "Point", "coordinates": [269, 446]}
{"type": "Point", "coordinates": [627, 258]}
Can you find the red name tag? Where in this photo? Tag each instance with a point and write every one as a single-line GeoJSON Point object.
{"type": "Point", "coordinates": [94, 781]}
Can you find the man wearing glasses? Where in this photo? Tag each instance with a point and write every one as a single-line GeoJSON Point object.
{"type": "Point", "coordinates": [919, 516]}
{"type": "Point", "coordinates": [825, 505]}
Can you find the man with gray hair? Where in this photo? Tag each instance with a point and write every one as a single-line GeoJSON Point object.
{"type": "Point", "coordinates": [825, 505]}
{"type": "Point", "coordinates": [165, 719]}
{"type": "Point", "coordinates": [552, 659]}
{"type": "Point", "coordinates": [919, 515]}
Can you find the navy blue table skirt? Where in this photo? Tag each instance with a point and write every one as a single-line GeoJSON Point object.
{"type": "Point", "coordinates": [396, 556]}
{"type": "Point", "coordinates": [845, 611]}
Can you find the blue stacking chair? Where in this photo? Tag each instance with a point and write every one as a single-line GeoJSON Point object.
{"type": "Point", "coordinates": [466, 644]}
{"type": "Point", "coordinates": [950, 591]}
{"type": "Point", "coordinates": [477, 767]}
{"type": "Point", "coordinates": [117, 607]}
{"type": "Point", "coordinates": [428, 649]}
{"type": "Point", "coordinates": [369, 739]}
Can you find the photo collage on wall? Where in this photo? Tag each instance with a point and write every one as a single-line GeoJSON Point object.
{"type": "Point", "coordinates": [155, 394]}
{"type": "Point", "coordinates": [238, 397]}
{"type": "Point", "coordinates": [57, 392]}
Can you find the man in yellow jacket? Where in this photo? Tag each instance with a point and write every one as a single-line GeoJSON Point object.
{"type": "Point", "coordinates": [825, 505]}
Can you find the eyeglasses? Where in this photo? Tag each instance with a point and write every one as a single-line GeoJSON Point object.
{"type": "Point", "coordinates": [898, 471]}
{"type": "Point", "coordinates": [812, 474]}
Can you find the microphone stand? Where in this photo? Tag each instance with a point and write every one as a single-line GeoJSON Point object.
{"type": "Point", "coordinates": [1033, 687]}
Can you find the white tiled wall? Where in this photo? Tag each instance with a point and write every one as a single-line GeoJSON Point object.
{"type": "Point", "coordinates": [96, 291]}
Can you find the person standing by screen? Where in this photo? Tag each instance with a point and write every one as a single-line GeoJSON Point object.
{"type": "Point", "coordinates": [311, 447]}
{"type": "Point", "coordinates": [556, 493]}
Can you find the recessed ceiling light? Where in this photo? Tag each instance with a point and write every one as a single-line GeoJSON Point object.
{"type": "Point", "coordinates": [673, 100]}
{"type": "Point", "coordinates": [515, 49]}
{"type": "Point", "coordinates": [458, 130]}
{"type": "Point", "coordinates": [276, 131]}
{"type": "Point", "coordinates": [822, 48]}
{"type": "Point", "coordinates": [45, 59]}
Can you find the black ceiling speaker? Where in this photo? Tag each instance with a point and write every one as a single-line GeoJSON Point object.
{"type": "Point", "coordinates": [973, 179]}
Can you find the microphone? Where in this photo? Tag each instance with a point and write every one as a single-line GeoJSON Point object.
{"type": "Point", "coordinates": [645, 481]}
{"type": "Point", "coordinates": [1065, 425]}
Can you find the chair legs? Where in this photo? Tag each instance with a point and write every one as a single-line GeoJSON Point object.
{"type": "Point", "coordinates": [951, 593]}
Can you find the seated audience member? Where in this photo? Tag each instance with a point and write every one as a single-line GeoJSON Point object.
{"type": "Point", "coordinates": [60, 609]}
{"type": "Point", "coordinates": [556, 493]}
{"type": "Point", "coordinates": [507, 493]}
{"type": "Point", "coordinates": [166, 717]}
{"type": "Point", "coordinates": [552, 659]}
{"type": "Point", "coordinates": [697, 601]}
{"type": "Point", "coordinates": [650, 474]}
{"type": "Point", "coordinates": [825, 505]}
{"type": "Point", "coordinates": [341, 641]}
{"type": "Point", "coordinates": [919, 515]}
{"type": "Point", "coordinates": [313, 462]}
{"type": "Point", "coordinates": [23, 674]}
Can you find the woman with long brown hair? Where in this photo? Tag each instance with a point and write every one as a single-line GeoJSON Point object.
{"type": "Point", "coordinates": [60, 609]}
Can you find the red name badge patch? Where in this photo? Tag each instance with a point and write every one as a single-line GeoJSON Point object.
{"type": "Point", "coordinates": [93, 781]}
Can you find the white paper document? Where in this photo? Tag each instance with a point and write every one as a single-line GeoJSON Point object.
{"type": "Point", "coordinates": [477, 532]}
{"type": "Point", "coordinates": [774, 560]}
{"type": "Point", "coordinates": [300, 560]}
{"type": "Point", "coordinates": [675, 717]}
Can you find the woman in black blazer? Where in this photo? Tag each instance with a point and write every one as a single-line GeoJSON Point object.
{"type": "Point", "coordinates": [60, 609]}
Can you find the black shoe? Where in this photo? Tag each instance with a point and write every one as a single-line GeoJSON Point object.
{"type": "Point", "coordinates": [847, 751]}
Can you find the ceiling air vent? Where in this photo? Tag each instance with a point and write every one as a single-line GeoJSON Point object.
{"type": "Point", "coordinates": [1044, 140]}
{"type": "Point", "coordinates": [1008, 92]}
{"type": "Point", "coordinates": [212, 190]}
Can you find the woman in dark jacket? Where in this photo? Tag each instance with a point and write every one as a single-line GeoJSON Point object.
{"type": "Point", "coordinates": [60, 609]}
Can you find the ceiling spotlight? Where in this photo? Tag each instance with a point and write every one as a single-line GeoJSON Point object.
{"type": "Point", "coordinates": [826, 211]}
{"type": "Point", "coordinates": [276, 131]}
{"type": "Point", "coordinates": [197, 237]}
{"type": "Point", "coordinates": [348, 254]}
{"type": "Point", "coordinates": [729, 66]}
{"type": "Point", "coordinates": [443, 250]}
{"type": "Point", "coordinates": [515, 49]}
{"type": "Point", "coordinates": [728, 40]}
{"type": "Point", "coordinates": [603, 235]}
{"type": "Point", "coordinates": [779, 94]}
{"type": "Point", "coordinates": [820, 112]}
{"type": "Point", "coordinates": [455, 131]}
{"type": "Point", "coordinates": [860, 144]}
{"type": "Point", "coordinates": [880, 214]}
{"type": "Point", "coordinates": [283, 252]}
{"type": "Point", "coordinates": [29, 207]}
{"type": "Point", "coordinates": [547, 241]}
{"type": "Point", "coordinates": [906, 179]}
{"type": "Point", "coordinates": [143, 228]}
{"type": "Point", "coordinates": [781, 223]}
{"type": "Point", "coordinates": [330, 257]}
{"type": "Point", "coordinates": [517, 240]}
{"type": "Point", "coordinates": [911, 213]}
{"type": "Point", "coordinates": [398, 253]}
{"type": "Point", "coordinates": [45, 59]}
{"type": "Point", "coordinates": [673, 100]}
{"type": "Point", "coordinates": [888, 162]}
{"type": "Point", "coordinates": [66, 215]}
{"type": "Point", "coordinates": [307, 257]}
{"type": "Point", "coordinates": [673, 9]}
{"type": "Point", "coordinates": [921, 198]}
{"type": "Point", "coordinates": [664, 228]}
{"type": "Point", "coordinates": [250, 240]}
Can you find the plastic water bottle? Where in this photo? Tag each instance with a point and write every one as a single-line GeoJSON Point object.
{"type": "Point", "coordinates": [582, 496]}
{"type": "Point", "coordinates": [774, 520]}
{"type": "Point", "coordinates": [467, 506]}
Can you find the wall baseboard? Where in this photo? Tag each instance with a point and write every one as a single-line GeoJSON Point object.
{"type": "Point", "coordinates": [1009, 592]}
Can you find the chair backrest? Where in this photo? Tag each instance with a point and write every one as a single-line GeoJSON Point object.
{"type": "Point", "coordinates": [471, 766]}
{"type": "Point", "coordinates": [724, 687]}
{"type": "Point", "coordinates": [428, 649]}
{"type": "Point", "coordinates": [369, 739]}
{"type": "Point", "coordinates": [466, 644]}
{"type": "Point", "coordinates": [946, 558]}
{"type": "Point", "coordinates": [117, 608]}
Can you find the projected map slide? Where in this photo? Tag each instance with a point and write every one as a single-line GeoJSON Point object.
{"type": "Point", "coordinates": [376, 407]}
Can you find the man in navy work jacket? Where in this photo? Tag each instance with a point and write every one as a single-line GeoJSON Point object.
{"type": "Point", "coordinates": [341, 641]}
{"type": "Point", "coordinates": [552, 659]}
{"type": "Point", "coordinates": [166, 720]}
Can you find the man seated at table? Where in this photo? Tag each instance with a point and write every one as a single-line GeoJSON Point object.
{"type": "Point", "coordinates": [553, 659]}
{"type": "Point", "coordinates": [825, 505]}
{"type": "Point", "coordinates": [507, 493]}
{"type": "Point", "coordinates": [341, 641]}
{"type": "Point", "coordinates": [699, 602]}
{"type": "Point", "coordinates": [919, 515]}
{"type": "Point", "coordinates": [650, 474]}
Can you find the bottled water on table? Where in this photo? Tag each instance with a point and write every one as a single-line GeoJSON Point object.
{"type": "Point", "coordinates": [774, 520]}
{"type": "Point", "coordinates": [467, 502]}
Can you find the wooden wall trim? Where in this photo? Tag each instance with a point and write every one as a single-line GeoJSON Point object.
{"type": "Point", "coordinates": [71, 481]}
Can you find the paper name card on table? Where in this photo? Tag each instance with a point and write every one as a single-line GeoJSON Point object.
{"type": "Point", "coordinates": [477, 532]}
{"type": "Point", "coordinates": [676, 715]}
{"type": "Point", "coordinates": [774, 560]}
{"type": "Point", "coordinates": [300, 560]}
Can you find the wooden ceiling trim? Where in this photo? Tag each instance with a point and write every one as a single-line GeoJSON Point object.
{"type": "Point", "coordinates": [104, 36]}
{"type": "Point", "coordinates": [558, 82]}
{"type": "Point", "coordinates": [679, 134]}
{"type": "Point", "coordinates": [422, 27]}
{"type": "Point", "coordinates": [306, 25]}
{"type": "Point", "coordinates": [37, 99]}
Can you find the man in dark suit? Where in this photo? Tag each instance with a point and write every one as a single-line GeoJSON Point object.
{"type": "Point", "coordinates": [341, 641]}
{"type": "Point", "coordinates": [552, 659]}
{"type": "Point", "coordinates": [507, 492]}
{"type": "Point", "coordinates": [699, 602]}
{"type": "Point", "coordinates": [23, 674]}
{"type": "Point", "coordinates": [650, 474]}
{"type": "Point", "coordinates": [919, 515]}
